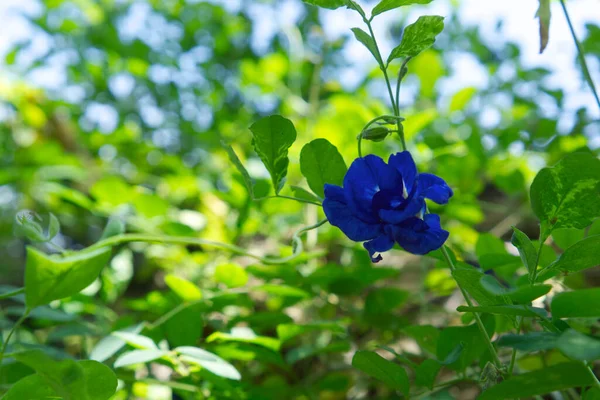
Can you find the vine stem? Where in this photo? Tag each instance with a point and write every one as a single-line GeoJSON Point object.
{"type": "Point", "coordinates": [580, 54]}
{"type": "Point", "coordinates": [134, 237]}
{"type": "Point", "coordinates": [281, 196]}
{"type": "Point", "coordinates": [371, 122]}
{"type": "Point", "coordinates": [12, 331]}
{"type": "Point", "coordinates": [480, 325]}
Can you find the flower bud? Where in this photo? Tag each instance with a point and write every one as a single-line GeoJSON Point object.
{"type": "Point", "coordinates": [376, 134]}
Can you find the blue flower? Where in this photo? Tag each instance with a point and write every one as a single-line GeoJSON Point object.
{"type": "Point", "coordinates": [382, 204]}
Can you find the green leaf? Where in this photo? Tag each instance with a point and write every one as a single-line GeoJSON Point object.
{"type": "Point", "coordinates": [426, 336]}
{"type": "Point", "coordinates": [578, 346]}
{"type": "Point", "coordinates": [27, 224]}
{"type": "Point", "coordinates": [506, 309]}
{"type": "Point", "coordinates": [304, 194]}
{"type": "Point", "coordinates": [582, 255]}
{"type": "Point", "coordinates": [232, 275]}
{"type": "Point", "coordinates": [245, 335]}
{"type": "Point", "coordinates": [469, 278]}
{"type": "Point", "coordinates": [136, 340]}
{"type": "Point", "coordinates": [185, 326]}
{"type": "Point", "coordinates": [461, 98]}
{"type": "Point", "coordinates": [468, 338]}
{"type": "Point", "coordinates": [535, 341]}
{"type": "Point", "coordinates": [287, 332]}
{"type": "Point", "coordinates": [32, 387]}
{"type": "Point", "coordinates": [240, 167]}
{"type": "Point", "coordinates": [7, 292]}
{"type": "Point", "coordinates": [392, 374]}
{"type": "Point", "coordinates": [583, 303]}
{"type": "Point", "coordinates": [542, 381]}
{"type": "Point", "coordinates": [209, 361]}
{"type": "Point", "coordinates": [526, 250]}
{"type": "Point", "coordinates": [110, 345]}
{"type": "Point", "coordinates": [418, 37]}
{"type": "Point", "coordinates": [282, 290]}
{"type": "Point", "coordinates": [568, 194]}
{"type": "Point", "coordinates": [386, 5]}
{"type": "Point", "coordinates": [592, 394]}
{"type": "Point", "coordinates": [51, 277]}
{"type": "Point", "coordinates": [369, 43]}
{"type": "Point", "coordinates": [543, 13]}
{"type": "Point", "coordinates": [330, 4]}
{"type": "Point", "coordinates": [272, 137]}
{"type": "Point", "coordinates": [85, 380]}
{"type": "Point", "coordinates": [184, 289]}
{"type": "Point", "coordinates": [53, 227]}
{"type": "Point", "coordinates": [426, 373]}
{"type": "Point", "coordinates": [138, 357]}
{"type": "Point", "coordinates": [526, 294]}
{"type": "Point", "coordinates": [321, 163]}
{"type": "Point", "coordinates": [114, 226]}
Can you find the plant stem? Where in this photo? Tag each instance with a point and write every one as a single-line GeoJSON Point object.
{"type": "Point", "coordinates": [382, 67]}
{"type": "Point", "coordinates": [134, 237]}
{"type": "Point", "coordinates": [401, 74]}
{"type": "Point", "coordinates": [580, 54]}
{"type": "Point", "coordinates": [280, 196]}
{"type": "Point", "coordinates": [12, 331]}
{"type": "Point", "coordinates": [480, 325]}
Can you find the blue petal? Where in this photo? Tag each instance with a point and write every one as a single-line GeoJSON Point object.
{"type": "Point", "coordinates": [404, 163]}
{"type": "Point", "coordinates": [339, 214]}
{"type": "Point", "coordinates": [413, 204]}
{"type": "Point", "coordinates": [419, 236]}
{"type": "Point", "coordinates": [380, 244]}
{"type": "Point", "coordinates": [334, 192]}
{"type": "Point", "coordinates": [435, 188]}
{"type": "Point", "coordinates": [365, 177]}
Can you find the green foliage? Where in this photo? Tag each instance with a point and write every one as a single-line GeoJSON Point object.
{"type": "Point", "coordinates": [169, 267]}
{"type": "Point", "coordinates": [50, 278]}
{"type": "Point", "coordinates": [567, 195]}
{"type": "Point", "coordinates": [386, 5]}
{"type": "Point", "coordinates": [418, 36]}
{"type": "Point", "coordinates": [272, 137]}
{"type": "Point", "coordinates": [379, 368]}
{"type": "Point", "coordinates": [321, 163]}
{"type": "Point", "coordinates": [545, 380]}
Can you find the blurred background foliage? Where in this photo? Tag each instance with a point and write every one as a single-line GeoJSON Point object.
{"type": "Point", "coordinates": [146, 93]}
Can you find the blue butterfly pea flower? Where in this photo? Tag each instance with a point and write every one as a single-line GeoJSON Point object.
{"type": "Point", "coordinates": [382, 204]}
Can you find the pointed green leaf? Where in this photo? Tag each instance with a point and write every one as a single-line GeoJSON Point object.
{"type": "Point", "coordinates": [138, 357]}
{"type": "Point", "coordinates": [542, 381]}
{"type": "Point", "coordinates": [272, 137]}
{"type": "Point", "coordinates": [583, 303]}
{"type": "Point", "coordinates": [321, 163]}
{"type": "Point", "coordinates": [505, 309]}
{"type": "Point", "coordinates": [240, 167]}
{"type": "Point", "coordinates": [330, 4]}
{"type": "Point", "coordinates": [582, 255]}
{"type": "Point", "coordinates": [82, 380]}
{"type": "Point", "coordinates": [136, 340]}
{"type": "Point", "coordinates": [386, 5]}
{"type": "Point", "coordinates": [368, 42]}
{"type": "Point", "coordinates": [418, 37]}
{"type": "Point", "coordinates": [186, 290]}
{"type": "Point", "coordinates": [526, 250]}
{"type": "Point", "coordinates": [209, 361]}
{"type": "Point", "coordinates": [372, 364]}
{"type": "Point", "coordinates": [543, 14]}
{"type": "Point", "coordinates": [568, 194]}
{"type": "Point", "coordinates": [426, 373]}
{"type": "Point", "coordinates": [52, 277]}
